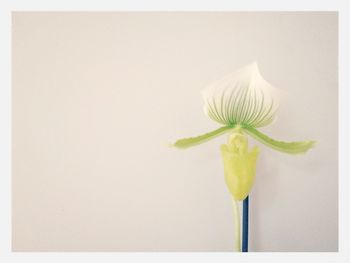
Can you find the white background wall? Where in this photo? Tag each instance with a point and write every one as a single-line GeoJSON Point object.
{"type": "Point", "coordinates": [97, 97]}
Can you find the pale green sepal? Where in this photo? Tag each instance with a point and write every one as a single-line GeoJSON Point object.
{"type": "Point", "coordinates": [192, 141]}
{"type": "Point", "coordinates": [286, 147]}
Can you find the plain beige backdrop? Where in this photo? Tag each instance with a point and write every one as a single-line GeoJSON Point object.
{"type": "Point", "coordinates": [98, 96]}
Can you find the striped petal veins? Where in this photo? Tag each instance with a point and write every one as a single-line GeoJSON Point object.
{"type": "Point", "coordinates": [243, 98]}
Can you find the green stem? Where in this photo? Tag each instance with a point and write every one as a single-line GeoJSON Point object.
{"type": "Point", "coordinates": [237, 224]}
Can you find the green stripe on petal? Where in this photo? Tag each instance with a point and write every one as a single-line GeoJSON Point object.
{"type": "Point", "coordinates": [192, 141]}
{"type": "Point", "coordinates": [286, 147]}
{"type": "Point", "coordinates": [242, 97]}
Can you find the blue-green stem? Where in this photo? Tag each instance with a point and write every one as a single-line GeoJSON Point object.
{"type": "Point", "coordinates": [245, 223]}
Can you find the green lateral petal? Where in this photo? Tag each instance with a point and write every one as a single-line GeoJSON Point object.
{"type": "Point", "coordinates": [286, 147]}
{"type": "Point", "coordinates": [192, 141]}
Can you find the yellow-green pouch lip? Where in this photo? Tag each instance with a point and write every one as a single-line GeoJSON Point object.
{"type": "Point", "coordinates": [239, 165]}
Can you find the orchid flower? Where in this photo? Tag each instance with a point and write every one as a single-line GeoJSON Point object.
{"type": "Point", "coordinates": [241, 102]}
{"type": "Point", "coordinates": [244, 99]}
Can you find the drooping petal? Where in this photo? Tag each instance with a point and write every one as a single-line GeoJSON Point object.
{"type": "Point", "coordinates": [242, 97]}
{"type": "Point", "coordinates": [192, 141]}
{"type": "Point", "coordinates": [298, 147]}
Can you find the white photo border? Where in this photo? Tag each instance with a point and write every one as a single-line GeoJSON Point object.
{"type": "Point", "coordinates": [6, 9]}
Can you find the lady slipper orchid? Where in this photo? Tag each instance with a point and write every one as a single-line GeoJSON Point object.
{"type": "Point", "coordinates": [244, 99]}
{"type": "Point", "coordinates": [242, 102]}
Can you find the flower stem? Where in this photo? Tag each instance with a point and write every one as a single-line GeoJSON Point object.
{"type": "Point", "coordinates": [237, 224]}
{"type": "Point", "coordinates": [245, 223]}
